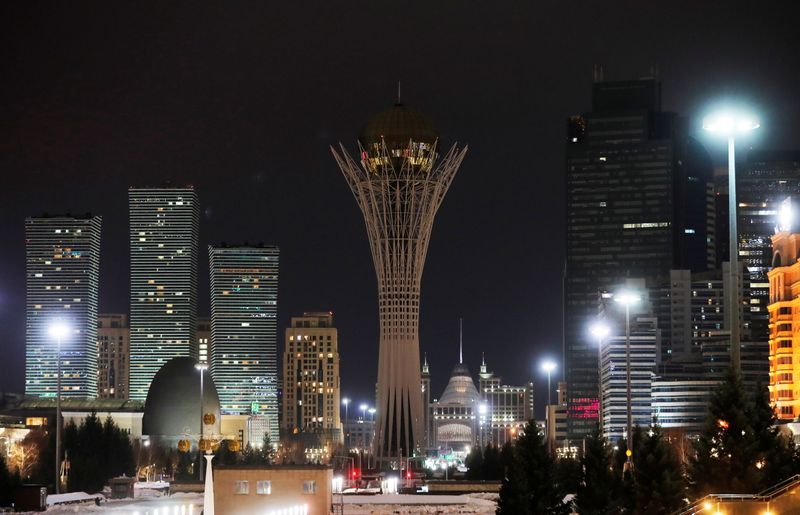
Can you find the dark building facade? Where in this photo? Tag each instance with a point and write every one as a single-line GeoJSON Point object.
{"type": "Point", "coordinates": [639, 203]}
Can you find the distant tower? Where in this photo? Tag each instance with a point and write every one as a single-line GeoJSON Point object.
{"type": "Point", "coordinates": [426, 400]}
{"type": "Point", "coordinates": [399, 185]}
{"type": "Point", "coordinates": [63, 278]}
{"type": "Point", "coordinates": [244, 333]}
{"type": "Point", "coordinates": [164, 231]}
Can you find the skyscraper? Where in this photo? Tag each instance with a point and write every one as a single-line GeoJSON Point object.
{"type": "Point", "coordinates": [244, 347]}
{"type": "Point", "coordinates": [311, 388]}
{"type": "Point", "coordinates": [63, 278]}
{"type": "Point", "coordinates": [639, 203]}
{"type": "Point", "coordinates": [164, 231]}
{"type": "Point", "coordinates": [399, 184]}
{"type": "Point", "coordinates": [767, 179]}
{"type": "Point", "coordinates": [113, 356]}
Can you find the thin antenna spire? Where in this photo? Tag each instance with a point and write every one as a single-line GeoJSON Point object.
{"type": "Point", "coordinates": [483, 359]}
{"type": "Point", "coordinates": [398, 93]}
{"type": "Point", "coordinates": [460, 341]}
{"type": "Point", "coordinates": [425, 358]}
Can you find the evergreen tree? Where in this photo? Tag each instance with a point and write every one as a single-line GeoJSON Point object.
{"type": "Point", "coordinates": [774, 453]}
{"type": "Point", "coordinates": [725, 458]}
{"type": "Point", "coordinates": [492, 467]}
{"type": "Point", "coordinates": [267, 451]}
{"type": "Point", "coordinates": [474, 464]}
{"type": "Point", "coordinates": [529, 486]}
{"type": "Point", "coordinates": [567, 474]}
{"type": "Point", "coordinates": [659, 484]}
{"type": "Point", "coordinates": [596, 490]}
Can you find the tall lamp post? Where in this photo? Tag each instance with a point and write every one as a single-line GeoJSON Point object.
{"type": "Point", "coordinates": [628, 299]}
{"type": "Point", "coordinates": [729, 124]}
{"type": "Point", "coordinates": [346, 403]}
{"type": "Point", "coordinates": [548, 366]}
{"type": "Point", "coordinates": [600, 331]}
{"type": "Point", "coordinates": [58, 330]}
{"type": "Point", "coordinates": [202, 367]}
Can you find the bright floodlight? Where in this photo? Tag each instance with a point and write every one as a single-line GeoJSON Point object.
{"type": "Point", "coordinates": [201, 366]}
{"type": "Point", "coordinates": [345, 401]}
{"type": "Point", "coordinates": [730, 122]}
{"type": "Point", "coordinates": [627, 298]}
{"type": "Point", "coordinates": [363, 407]}
{"type": "Point", "coordinates": [548, 365]}
{"type": "Point", "coordinates": [785, 215]}
{"type": "Point", "coordinates": [58, 330]}
{"type": "Point", "coordinates": [599, 330]}
{"type": "Point", "coordinates": [371, 411]}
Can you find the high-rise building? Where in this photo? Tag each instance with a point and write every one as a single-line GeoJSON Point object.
{"type": "Point", "coordinates": [203, 336]}
{"type": "Point", "coordinates": [504, 410]}
{"type": "Point", "coordinates": [399, 182]}
{"type": "Point", "coordinates": [63, 278]}
{"type": "Point", "coordinates": [244, 347]}
{"type": "Point", "coordinates": [784, 313]}
{"type": "Point", "coordinates": [164, 230]}
{"type": "Point", "coordinates": [639, 203]}
{"type": "Point", "coordinates": [311, 382]}
{"type": "Point", "coordinates": [113, 356]}
{"type": "Point", "coordinates": [766, 180]}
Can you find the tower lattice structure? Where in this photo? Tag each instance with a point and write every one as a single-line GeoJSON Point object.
{"type": "Point", "coordinates": [399, 184]}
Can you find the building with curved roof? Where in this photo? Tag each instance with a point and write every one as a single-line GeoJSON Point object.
{"type": "Point", "coordinates": [172, 409]}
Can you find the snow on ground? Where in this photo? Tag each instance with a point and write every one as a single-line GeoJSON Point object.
{"type": "Point", "coordinates": [71, 497]}
{"type": "Point", "coordinates": [178, 504]}
{"type": "Point", "coordinates": [477, 504]}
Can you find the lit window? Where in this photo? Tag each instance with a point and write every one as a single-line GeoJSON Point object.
{"type": "Point", "coordinates": [241, 487]}
{"type": "Point", "coordinates": [310, 486]}
{"type": "Point", "coordinates": [263, 487]}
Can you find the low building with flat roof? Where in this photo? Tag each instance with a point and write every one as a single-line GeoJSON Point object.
{"type": "Point", "coordinates": [246, 489]}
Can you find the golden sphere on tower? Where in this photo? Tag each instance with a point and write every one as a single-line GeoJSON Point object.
{"type": "Point", "coordinates": [209, 419]}
{"type": "Point", "coordinates": [184, 445]}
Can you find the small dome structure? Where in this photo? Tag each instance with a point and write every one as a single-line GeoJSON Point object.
{"type": "Point", "coordinates": [461, 388]}
{"type": "Point", "coordinates": [172, 408]}
{"type": "Point", "coordinates": [396, 126]}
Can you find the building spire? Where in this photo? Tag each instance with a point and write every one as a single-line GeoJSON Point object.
{"type": "Point", "coordinates": [460, 341]}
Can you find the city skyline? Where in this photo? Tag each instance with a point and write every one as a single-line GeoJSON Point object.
{"type": "Point", "coordinates": [248, 146]}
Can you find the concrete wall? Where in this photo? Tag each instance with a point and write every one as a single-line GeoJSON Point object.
{"type": "Point", "coordinates": [286, 489]}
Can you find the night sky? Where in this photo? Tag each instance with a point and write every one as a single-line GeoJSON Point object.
{"type": "Point", "coordinates": [242, 100]}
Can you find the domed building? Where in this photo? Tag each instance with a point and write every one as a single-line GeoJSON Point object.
{"type": "Point", "coordinates": [172, 409]}
{"type": "Point", "coordinates": [455, 420]}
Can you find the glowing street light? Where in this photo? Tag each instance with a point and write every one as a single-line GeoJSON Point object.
{"type": "Point", "coordinates": [363, 409]}
{"type": "Point", "coordinates": [59, 331]}
{"type": "Point", "coordinates": [599, 330]}
{"type": "Point", "coordinates": [201, 367]}
{"type": "Point", "coordinates": [628, 299]}
{"type": "Point", "coordinates": [346, 403]}
{"type": "Point", "coordinates": [548, 366]}
{"type": "Point", "coordinates": [728, 124]}
{"type": "Point", "coordinates": [371, 412]}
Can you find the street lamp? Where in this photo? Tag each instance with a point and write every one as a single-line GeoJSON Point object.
{"type": "Point", "coordinates": [58, 330]}
{"type": "Point", "coordinates": [548, 366]}
{"type": "Point", "coordinates": [371, 412]}
{"type": "Point", "coordinates": [628, 299]}
{"type": "Point", "coordinates": [202, 367]}
{"type": "Point", "coordinates": [346, 403]}
{"type": "Point", "coordinates": [599, 330]}
{"type": "Point", "coordinates": [363, 409]}
{"type": "Point", "coordinates": [729, 124]}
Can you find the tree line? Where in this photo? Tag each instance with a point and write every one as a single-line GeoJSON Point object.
{"type": "Point", "coordinates": [740, 450]}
